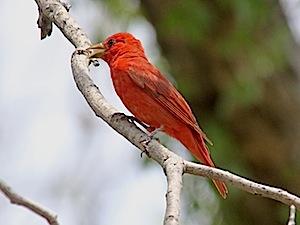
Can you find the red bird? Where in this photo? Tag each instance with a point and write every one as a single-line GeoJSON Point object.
{"type": "Point", "coordinates": [150, 96]}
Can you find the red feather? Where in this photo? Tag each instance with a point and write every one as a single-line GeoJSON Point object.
{"type": "Point", "coordinates": [152, 99]}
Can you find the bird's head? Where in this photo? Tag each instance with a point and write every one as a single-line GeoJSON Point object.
{"type": "Point", "coordinates": [115, 46]}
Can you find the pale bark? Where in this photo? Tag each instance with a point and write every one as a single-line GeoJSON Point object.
{"type": "Point", "coordinates": [173, 165]}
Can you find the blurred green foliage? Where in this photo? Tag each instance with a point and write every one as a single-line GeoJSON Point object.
{"type": "Point", "coordinates": [230, 60]}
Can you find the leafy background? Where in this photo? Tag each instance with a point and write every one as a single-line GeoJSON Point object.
{"type": "Point", "coordinates": [236, 63]}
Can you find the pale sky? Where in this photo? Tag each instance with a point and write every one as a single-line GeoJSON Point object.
{"type": "Point", "coordinates": [52, 147]}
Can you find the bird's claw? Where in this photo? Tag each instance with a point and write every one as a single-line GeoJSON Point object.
{"type": "Point", "coordinates": [146, 140]}
{"type": "Point", "coordinates": [151, 135]}
{"type": "Point", "coordinates": [154, 131]}
{"type": "Point", "coordinates": [119, 116]}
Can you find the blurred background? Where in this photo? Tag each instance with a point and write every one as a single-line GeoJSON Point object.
{"type": "Point", "coordinates": [237, 64]}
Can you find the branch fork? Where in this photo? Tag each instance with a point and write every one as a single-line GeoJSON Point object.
{"type": "Point", "coordinates": [53, 11]}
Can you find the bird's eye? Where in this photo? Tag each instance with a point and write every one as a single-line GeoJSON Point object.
{"type": "Point", "coordinates": [111, 42]}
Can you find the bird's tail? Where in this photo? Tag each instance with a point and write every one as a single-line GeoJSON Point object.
{"type": "Point", "coordinates": [200, 151]}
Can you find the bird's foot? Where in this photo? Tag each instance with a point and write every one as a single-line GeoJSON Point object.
{"type": "Point", "coordinates": [149, 138]}
{"type": "Point", "coordinates": [119, 116]}
{"type": "Point", "coordinates": [133, 120]}
{"type": "Point", "coordinates": [153, 131]}
{"type": "Point", "coordinates": [151, 135]}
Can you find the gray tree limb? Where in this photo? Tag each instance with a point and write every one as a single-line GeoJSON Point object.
{"type": "Point", "coordinates": [53, 11]}
{"type": "Point", "coordinates": [29, 204]}
{"type": "Point", "coordinates": [292, 217]}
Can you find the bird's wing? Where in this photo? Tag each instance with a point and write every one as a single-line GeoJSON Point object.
{"type": "Point", "coordinates": [160, 89]}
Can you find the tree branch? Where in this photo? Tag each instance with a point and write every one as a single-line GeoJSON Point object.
{"type": "Point", "coordinates": [174, 171]}
{"type": "Point", "coordinates": [53, 11]}
{"type": "Point", "coordinates": [156, 151]}
{"type": "Point", "coordinates": [243, 184]}
{"type": "Point", "coordinates": [29, 204]}
{"type": "Point", "coordinates": [292, 217]}
{"type": "Point", "coordinates": [174, 166]}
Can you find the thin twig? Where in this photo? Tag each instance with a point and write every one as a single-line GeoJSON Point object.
{"type": "Point", "coordinates": [29, 204]}
{"type": "Point", "coordinates": [243, 183]}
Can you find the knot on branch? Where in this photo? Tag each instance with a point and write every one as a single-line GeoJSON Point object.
{"type": "Point", "coordinates": [171, 219]}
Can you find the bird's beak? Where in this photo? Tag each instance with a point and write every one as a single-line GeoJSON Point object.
{"type": "Point", "coordinates": [98, 51]}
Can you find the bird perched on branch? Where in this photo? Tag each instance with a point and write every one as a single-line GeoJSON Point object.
{"type": "Point", "coordinates": [151, 97]}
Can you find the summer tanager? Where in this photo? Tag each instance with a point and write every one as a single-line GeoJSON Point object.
{"type": "Point", "coordinates": [150, 97]}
